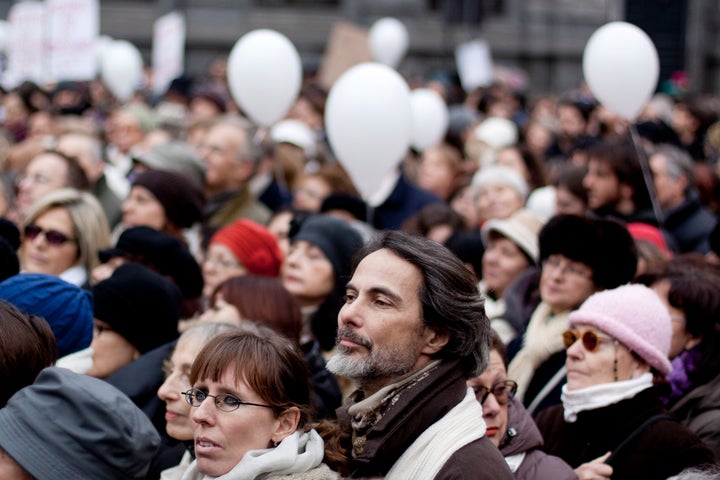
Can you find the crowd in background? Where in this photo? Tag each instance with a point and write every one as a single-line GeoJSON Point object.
{"type": "Point", "coordinates": [170, 248]}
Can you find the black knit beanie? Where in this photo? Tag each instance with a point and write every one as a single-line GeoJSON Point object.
{"type": "Point", "coordinates": [140, 305]}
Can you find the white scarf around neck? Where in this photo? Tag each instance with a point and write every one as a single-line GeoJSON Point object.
{"type": "Point", "coordinates": [598, 396]}
{"type": "Point", "coordinates": [297, 453]}
{"type": "Point", "coordinates": [432, 449]}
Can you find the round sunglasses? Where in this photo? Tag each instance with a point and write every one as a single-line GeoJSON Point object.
{"type": "Point", "coordinates": [53, 237]}
{"type": "Point", "coordinates": [590, 340]}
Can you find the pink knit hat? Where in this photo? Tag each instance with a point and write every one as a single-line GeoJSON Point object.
{"type": "Point", "coordinates": [636, 317]}
{"type": "Point", "coordinates": [253, 245]}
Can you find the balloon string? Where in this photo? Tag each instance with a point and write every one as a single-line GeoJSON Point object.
{"type": "Point", "coordinates": [647, 176]}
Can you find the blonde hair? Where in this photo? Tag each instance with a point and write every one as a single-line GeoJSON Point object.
{"type": "Point", "coordinates": [90, 224]}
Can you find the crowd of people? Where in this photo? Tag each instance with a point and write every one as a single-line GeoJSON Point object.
{"type": "Point", "coordinates": [186, 296]}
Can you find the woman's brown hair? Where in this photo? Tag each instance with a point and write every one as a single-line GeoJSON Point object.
{"type": "Point", "coordinates": [27, 345]}
{"type": "Point", "coordinates": [263, 300]}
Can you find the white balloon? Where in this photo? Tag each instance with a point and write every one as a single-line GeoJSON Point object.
{"type": "Point", "coordinates": [621, 67]}
{"type": "Point", "coordinates": [121, 68]}
{"type": "Point", "coordinates": [388, 40]}
{"type": "Point", "coordinates": [264, 75]}
{"type": "Point", "coordinates": [368, 122]}
{"type": "Point", "coordinates": [430, 118]}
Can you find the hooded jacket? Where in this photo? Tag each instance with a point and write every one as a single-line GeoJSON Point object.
{"type": "Point", "coordinates": [523, 436]}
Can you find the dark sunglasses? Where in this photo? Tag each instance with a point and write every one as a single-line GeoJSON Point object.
{"type": "Point", "coordinates": [590, 340]}
{"type": "Point", "coordinates": [53, 237]}
{"type": "Point", "coordinates": [502, 391]}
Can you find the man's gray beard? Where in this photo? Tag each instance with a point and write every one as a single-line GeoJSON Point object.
{"type": "Point", "coordinates": [379, 364]}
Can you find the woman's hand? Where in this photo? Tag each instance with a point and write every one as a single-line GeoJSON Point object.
{"type": "Point", "coordinates": [596, 469]}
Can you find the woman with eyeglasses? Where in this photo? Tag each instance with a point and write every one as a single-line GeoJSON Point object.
{"type": "Point", "coordinates": [578, 256]}
{"type": "Point", "coordinates": [509, 426]}
{"type": "Point", "coordinates": [265, 301]}
{"type": "Point", "coordinates": [62, 234]}
{"type": "Point", "coordinates": [251, 407]}
{"type": "Point", "coordinates": [612, 423]}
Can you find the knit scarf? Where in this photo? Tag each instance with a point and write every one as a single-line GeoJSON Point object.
{"type": "Point", "coordinates": [299, 452]}
{"type": "Point", "coordinates": [367, 412]}
{"type": "Point", "coordinates": [542, 339]}
{"type": "Point", "coordinates": [679, 378]}
{"type": "Point", "coordinates": [598, 396]}
{"type": "Point", "coordinates": [431, 450]}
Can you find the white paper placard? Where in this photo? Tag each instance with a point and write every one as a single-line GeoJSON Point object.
{"type": "Point", "coordinates": [168, 50]}
{"type": "Point", "coordinates": [26, 44]}
{"type": "Point", "coordinates": [474, 64]}
{"type": "Point", "coordinates": [73, 29]}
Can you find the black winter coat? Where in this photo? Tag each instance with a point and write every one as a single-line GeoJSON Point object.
{"type": "Point", "coordinates": [661, 450]}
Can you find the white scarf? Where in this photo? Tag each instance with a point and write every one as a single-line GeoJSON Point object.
{"type": "Point", "coordinates": [79, 362]}
{"type": "Point", "coordinates": [542, 339]}
{"type": "Point", "coordinates": [598, 396]}
{"type": "Point", "coordinates": [77, 275]}
{"type": "Point", "coordinates": [297, 453]}
{"type": "Point", "coordinates": [432, 449]}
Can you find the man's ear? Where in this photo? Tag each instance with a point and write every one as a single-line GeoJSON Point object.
{"type": "Point", "coordinates": [286, 424]}
{"type": "Point", "coordinates": [434, 341]}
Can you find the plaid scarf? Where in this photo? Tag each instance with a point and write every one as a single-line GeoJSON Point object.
{"type": "Point", "coordinates": [365, 413]}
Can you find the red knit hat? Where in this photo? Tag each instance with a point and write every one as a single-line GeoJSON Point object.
{"type": "Point", "coordinates": [253, 245]}
{"type": "Point", "coordinates": [649, 233]}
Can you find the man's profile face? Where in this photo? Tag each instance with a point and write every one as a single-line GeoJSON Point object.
{"type": "Point", "coordinates": [381, 336]}
{"type": "Point", "coordinates": [602, 185]}
{"type": "Point", "coordinates": [669, 192]}
{"type": "Point", "coordinates": [221, 153]}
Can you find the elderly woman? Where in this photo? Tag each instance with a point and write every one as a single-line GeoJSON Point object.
{"type": "Point", "coordinates": [611, 423]}
{"type": "Point", "coordinates": [500, 191]}
{"type": "Point", "coordinates": [509, 426]}
{"type": "Point", "coordinates": [690, 290]}
{"type": "Point", "coordinates": [62, 235]}
{"type": "Point", "coordinates": [179, 425]}
{"type": "Point", "coordinates": [511, 247]}
{"type": "Point", "coordinates": [316, 270]}
{"type": "Point", "coordinates": [579, 256]}
{"type": "Point", "coordinates": [251, 399]}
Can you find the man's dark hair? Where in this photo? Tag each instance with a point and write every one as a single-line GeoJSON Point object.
{"type": "Point", "coordinates": [451, 301]}
{"type": "Point", "coordinates": [620, 156]}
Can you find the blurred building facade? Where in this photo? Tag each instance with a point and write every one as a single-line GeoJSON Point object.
{"type": "Point", "coordinates": [543, 38]}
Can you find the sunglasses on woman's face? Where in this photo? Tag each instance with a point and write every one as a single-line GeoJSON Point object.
{"type": "Point", "coordinates": [590, 340]}
{"type": "Point", "coordinates": [53, 237]}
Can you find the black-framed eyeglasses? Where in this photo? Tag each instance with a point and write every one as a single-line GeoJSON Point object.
{"type": "Point", "coordinates": [53, 237]}
{"type": "Point", "coordinates": [224, 401]}
{"type": "Point", "coordinates": [502, 391]}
